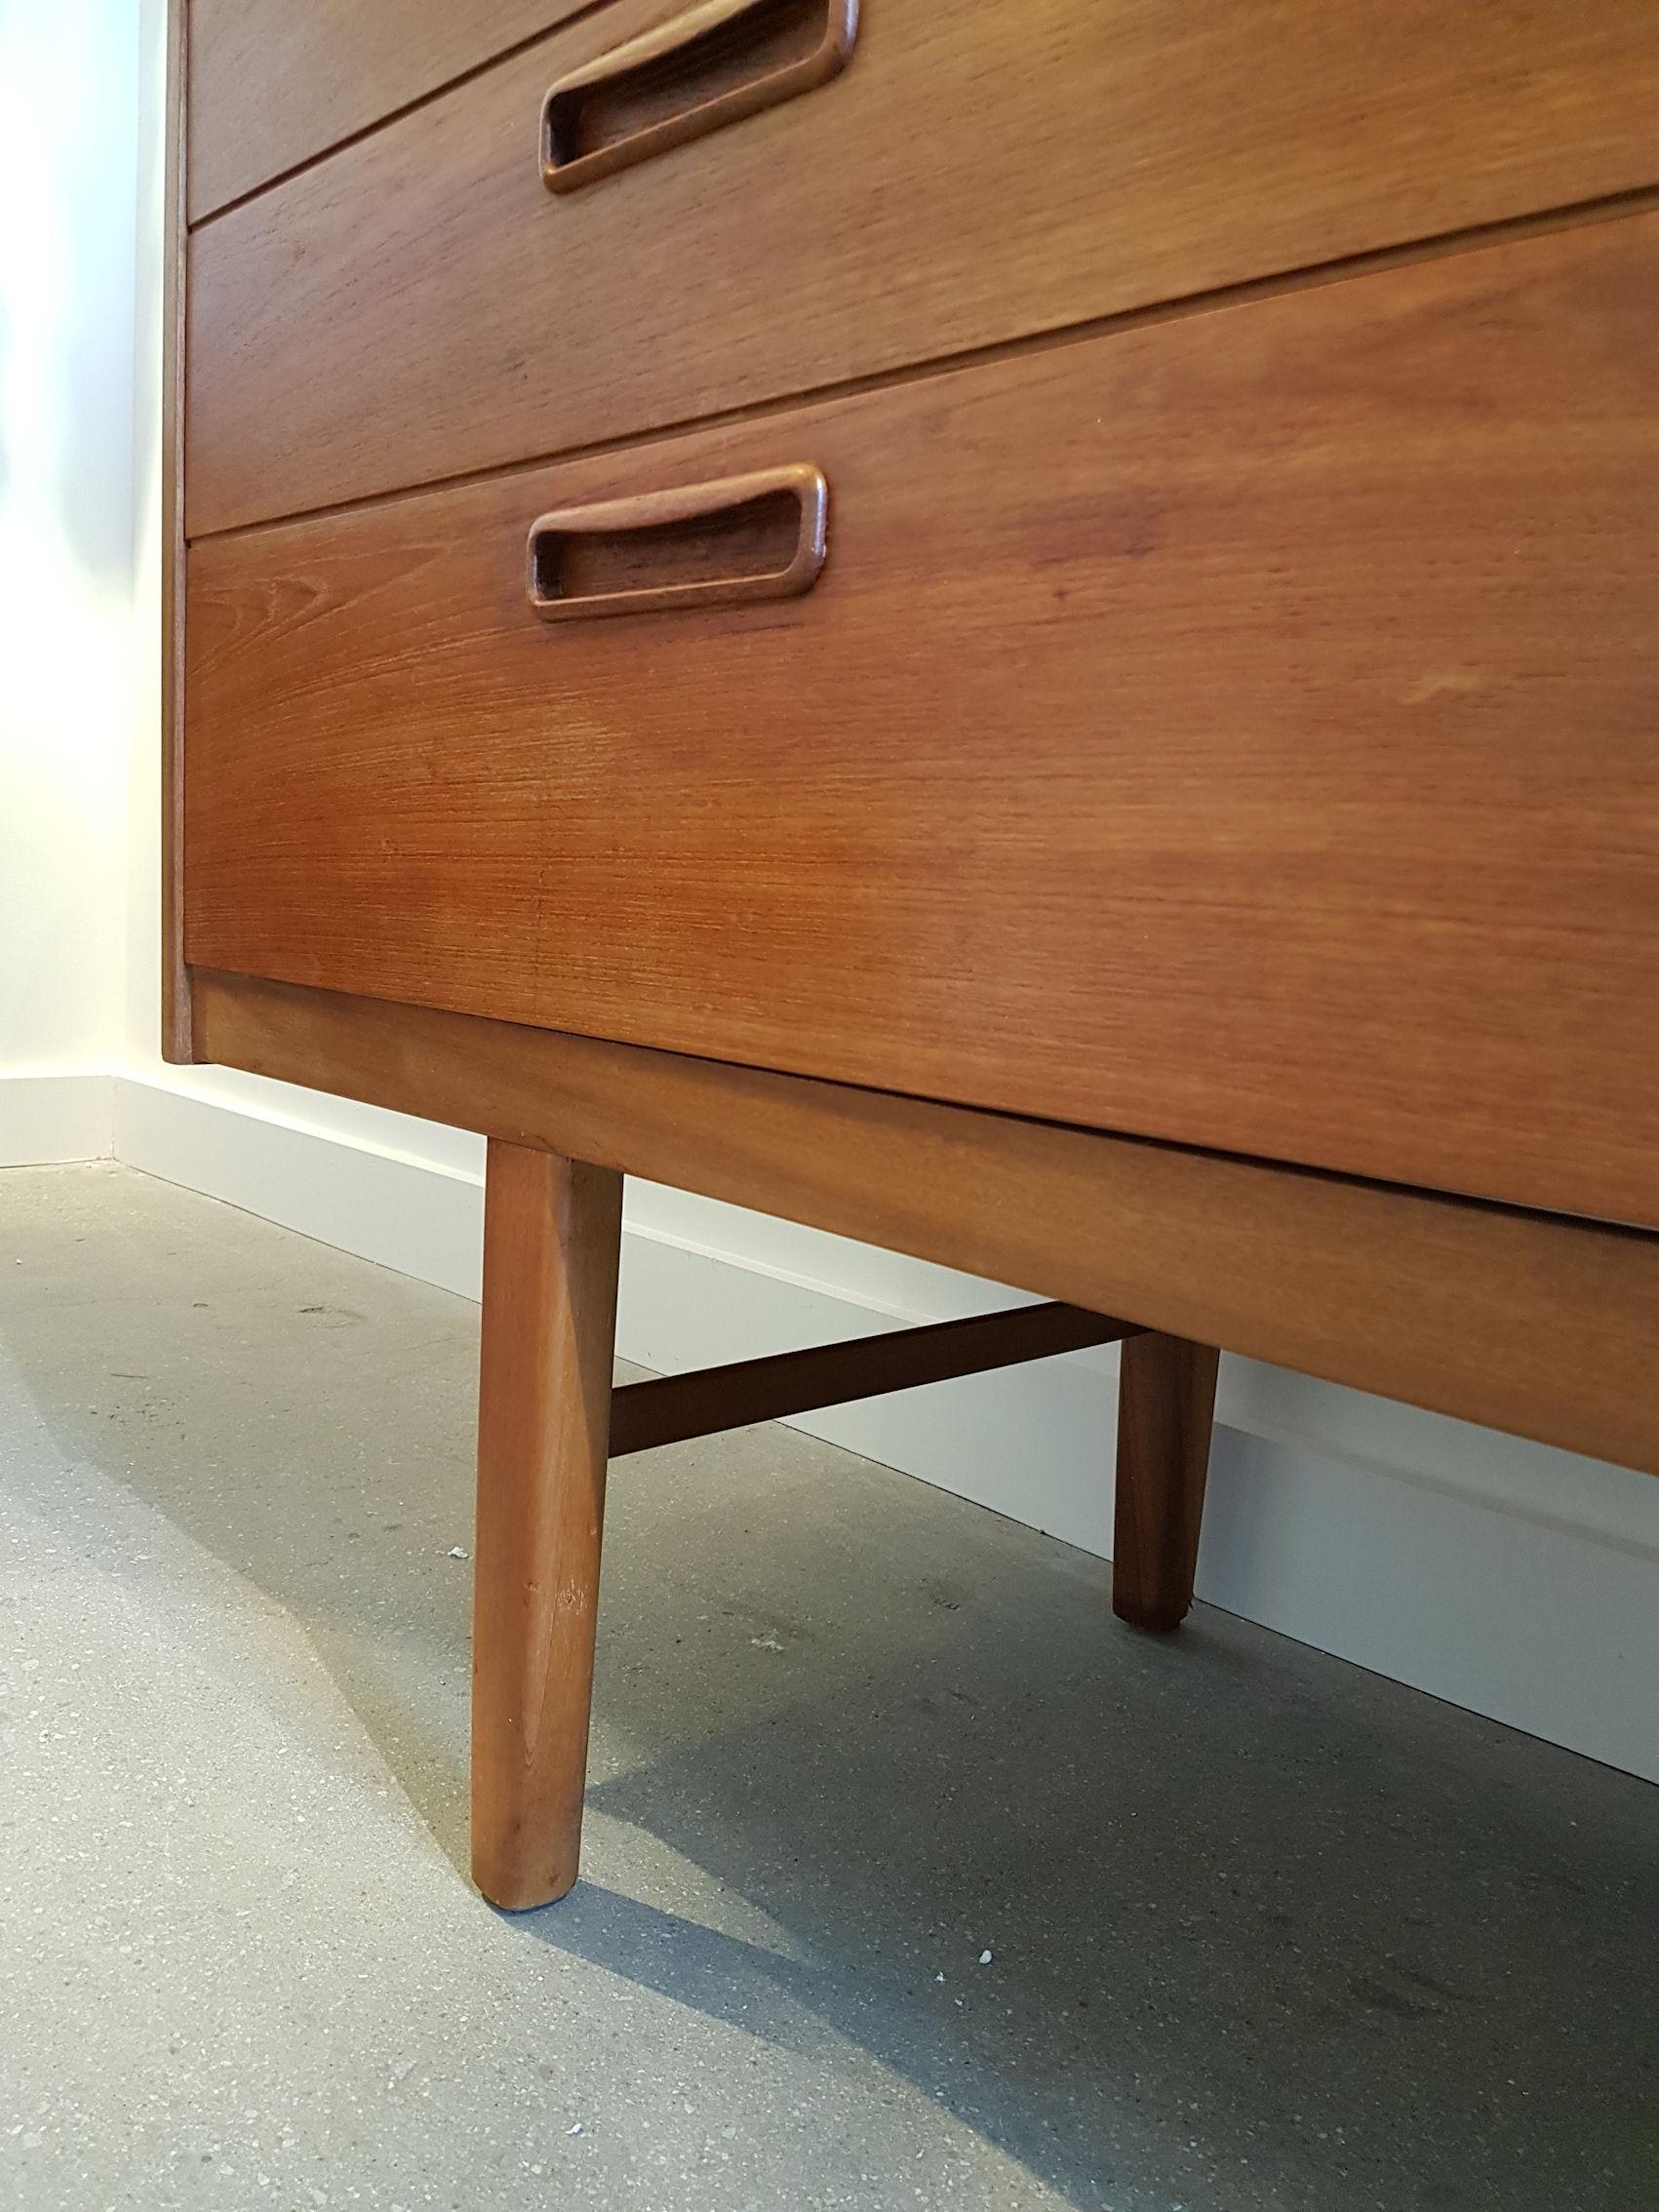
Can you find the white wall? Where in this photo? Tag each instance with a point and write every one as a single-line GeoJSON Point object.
{"type": "Point", "coordinates": [1520, 1581]}
{"type": "Point", "coordinates": [68, 170]}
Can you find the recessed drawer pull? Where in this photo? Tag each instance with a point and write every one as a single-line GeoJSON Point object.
{"type": "Point", "coordinates": [709, 66]}
{"type": "Point", "coordinates": [760, 536]}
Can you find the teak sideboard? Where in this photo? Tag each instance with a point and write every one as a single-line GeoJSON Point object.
{"type": "Point", "coordinates": [1026, 631]}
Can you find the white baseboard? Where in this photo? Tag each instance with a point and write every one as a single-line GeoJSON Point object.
{"type": "Point", "coordinates": [411, 1214]}
{"type": "Point", "coordinates": [1517, 1581]}
{"type": "Point", "coordinates": [48, 1120]}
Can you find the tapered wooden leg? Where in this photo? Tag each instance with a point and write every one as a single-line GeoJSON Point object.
{"type": "Point", "coordinates": [1166, 1410]}
{"type": "Point", "coordinates": [552, 1232]}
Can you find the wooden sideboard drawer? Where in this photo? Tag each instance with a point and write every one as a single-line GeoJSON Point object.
{"type": "Point", "coordinates": [270, 90]}
{"type": "Point", "coordinates": [418, 306]}
{"type": "Point", "coordinates": [1235, 730]}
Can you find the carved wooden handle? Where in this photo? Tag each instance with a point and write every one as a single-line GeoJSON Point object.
{"type": "Point", "coordinates": [716, 62]}
{"type": "Point", "coordinates": [760, 536]}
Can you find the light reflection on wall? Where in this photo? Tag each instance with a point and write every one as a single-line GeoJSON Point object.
{"type": "Point", "coordinates": [68, 93]}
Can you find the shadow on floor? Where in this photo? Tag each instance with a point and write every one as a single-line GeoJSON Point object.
{"type": "Point", "coordinates": [1275, 1931]}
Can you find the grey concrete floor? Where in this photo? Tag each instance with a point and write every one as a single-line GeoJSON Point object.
{"type": "Point", "coordinates": [1266, 1932]}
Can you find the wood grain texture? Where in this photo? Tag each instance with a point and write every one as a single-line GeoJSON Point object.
{"type": "Point", "coordinates": [552, 1233]}
{"type": "Point", "coordinates": [276, 86]}
{"type": "Point", "coordinates": [174, 978]}
{"type": "Point", "coordinates": [669, 1408]}
{"type": "Point", "coordinates": [1237, 730]}
{"type": "Point", "coordinates": [419, 305]}
{"type": "Point", "coordinates": [1545, 1326]}
{"type": "Point", "coordinates": [1166, 1412]}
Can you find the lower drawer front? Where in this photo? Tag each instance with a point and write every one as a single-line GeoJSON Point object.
{"type": "Point", "coordinates": [1237, 729]}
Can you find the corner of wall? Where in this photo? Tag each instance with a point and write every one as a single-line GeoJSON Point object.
{"type": "Point", "coordinates": [51, 1120]}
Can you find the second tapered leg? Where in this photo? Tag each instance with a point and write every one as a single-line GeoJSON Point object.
{"type": "Point", "coordinates": [551, 1240]}
{"type": "Point", "coordinates": [1166, 1412]}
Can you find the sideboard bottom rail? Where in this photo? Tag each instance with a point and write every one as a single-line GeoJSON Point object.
{"type": "Point", "coordinates": [1539, 1324]}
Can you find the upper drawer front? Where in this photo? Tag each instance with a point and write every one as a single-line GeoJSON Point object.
{"type": "Point", "coordinates": [273, 87]}
{"type": "Point", "coordinates": [1237, 729]}
{"type": "Point", "coordinates": [419, 305]}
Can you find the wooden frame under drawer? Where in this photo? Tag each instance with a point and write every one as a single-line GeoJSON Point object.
{"type": "Point", "coordinates": [1541, 1325]}
{"type": "Point", "coordinates": [1235, 732]}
